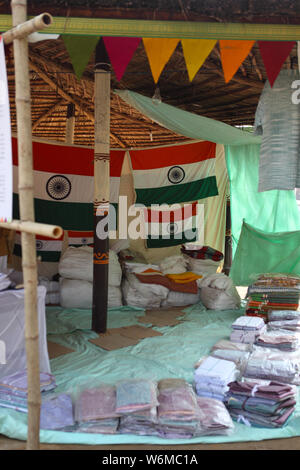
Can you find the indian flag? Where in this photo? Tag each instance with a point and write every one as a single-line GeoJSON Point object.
{"type": "Point", "coordinates": [167, 226]}
{"type": "Point", "coordinates": [64, 188]}
{"type": "Point", "coordinates": [48, 249]}
{"type": "Point", "coordinates": [174, 174]}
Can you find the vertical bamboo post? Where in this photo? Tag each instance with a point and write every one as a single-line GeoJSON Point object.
{"type": "Point", "coordinates": [101, 188]}
{"type": "Point", "coordinates": [29, 263]}
{"type": "Point", "coordinates": [70, 124]}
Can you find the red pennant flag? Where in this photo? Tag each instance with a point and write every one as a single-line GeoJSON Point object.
{"type": "Point", "coordinates": [273, 54]}
{"type": "Point", "coordinates": [120, 51]}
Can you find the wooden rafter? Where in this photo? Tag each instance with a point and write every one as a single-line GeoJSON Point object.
{"type": "Point", "coordinates": [47, 113]}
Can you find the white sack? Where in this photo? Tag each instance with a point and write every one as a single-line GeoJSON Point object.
{"type": "Point", "coordinates": [138, 294]}
{"type": "Point", "coordinates": [180, 299]}
{"type": "Point", "coordinates": [76, 293]}
{"type": "Point", "coordinates": [202, 266]}
{"type": "Point", "coordinates": [173, 265]}
{"type": "Point", "coordinates": [217, 299]}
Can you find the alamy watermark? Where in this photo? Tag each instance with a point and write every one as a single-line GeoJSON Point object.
{"type": "Point", "coordinates": [296, 94]}
{"type": "Point", "coordinates": [176, 221]}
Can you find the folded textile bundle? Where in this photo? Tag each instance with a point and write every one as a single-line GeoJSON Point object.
{"type": "Point", "coordinates": [16, 384]}
{"type": "Point", "coordinates": [152, 276]}
{"type": "Point", "coordinates": [96, 404]}
{"type": "Point", "coordinates": [178, 412]}
{"type": "Point", "coordinates": [240, 358]}
{"type": "Point", "coordinates": [261, 405]}
{"type": "Point", "coordinates": [278, 315]}
{"type": "Point", "coordinates": [143, 423]}
{"type": "Point", "coordinates": [246, 329]}
{"type": "Point", "coordinates": [231, 345]}
{"type": "Point", "coordinates": [274, 364]}
{"type": "Point", "coordinates": [285, 340]}
{"type": "Point", "coordinates": [215, 419]}
{"type": "Point", "coordinates": [273, 292]}
{"type": "Point", "coordinates": [99, 426]}
{"type": "Point", "coordinates": [293, 325]}
{"type": "Point", "coordinates": [212, 377]}
{"type": "Point", "coordinates": [205, 252]}
{"type": "Point", "coordinates": [135, 395]}
{"type": "Point", "coordinates": [57, 412]}
{"type": "Point", "coordinates": [5, 281]}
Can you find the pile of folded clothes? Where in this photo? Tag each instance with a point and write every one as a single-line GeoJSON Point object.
{"type": "Point", "coordinates": [95, 410]}
{"type": "Point", "coordinates": [263, 405]}
{"type": "Point", "coordinates": [213, 376]}
{"type": "Point", "coordinates": [273, 292]}
{"type": "Point", "coordinates": [202, 260]}
{"type": "Point", "coordinates": [274, 364]}
{"type": "Point", "coordinates": [247, 329]}
{"type": "Point", "coordinates": [284, 319]}
{"type": "Point", "coordinates": [215, 418]}
{"type": "Point", "coordinates": [285, 340]}
{"type": "Point", "coordinates": [178, 410]}
{"type": "Point", "coordinates": [56, 409]}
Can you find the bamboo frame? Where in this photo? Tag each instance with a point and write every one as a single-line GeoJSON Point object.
{"type": "Point", "coordinates": [52, 231]}
{"type": "Point", "coordinates": [23, 30]}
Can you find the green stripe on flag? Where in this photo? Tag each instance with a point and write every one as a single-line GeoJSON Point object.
{"type": "Point", "coordinates": [187, 237]}
{"type": "Point", "coordinates": [50, 256]}
{"type": "Point", "coordinates": [70, 216]}
{"type": "Point", "coordinates": [178, 193]}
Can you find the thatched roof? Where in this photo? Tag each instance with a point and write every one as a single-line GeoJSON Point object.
{"type": "Point", "coordinates": [54, 85]}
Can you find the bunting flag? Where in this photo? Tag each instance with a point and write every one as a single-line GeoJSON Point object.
{"type": "Point", "coordinates": [120, 51]}
{"type": "Point", "coordinates": [165, 227]}
{"type": "Point", "coordinates": [80, 49]}
{"type": "Point", "coordinates": [233, 54]}
{"type": "Point", "coordinates": [195, 52]}
{"type": "Point", "coordinates": [159, 51]}
{"type": "Point", "coordinates": [273, 54]}
{"type": "Point", "coordinates": [64, 189]}
{"type": "Point", "coordinates": [174, 174]}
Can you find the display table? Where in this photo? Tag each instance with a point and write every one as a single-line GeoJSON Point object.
{"type": "Point", "coordinates": [12, 331]}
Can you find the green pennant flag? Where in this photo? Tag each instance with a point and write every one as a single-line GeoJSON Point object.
{"type": "Point", "coordinates": [80, 49]}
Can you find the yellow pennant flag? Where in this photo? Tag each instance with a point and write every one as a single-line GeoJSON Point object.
{"type": "Point", "coordinates": [233, 54]}
{"type": "Point", "coordinates": [195, 52]}
{"type": "Point", "coordinates": [159, 51]}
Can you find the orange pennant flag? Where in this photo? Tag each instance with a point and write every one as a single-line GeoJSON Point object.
{"type": "Point", "coordinates": [159, 51]}
{"type": "Point", "coordinates": [233, 54]}
{"type": "Point", "coordinates": [195, 52]}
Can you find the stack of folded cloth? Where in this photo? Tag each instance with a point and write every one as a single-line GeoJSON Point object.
{"type": "Point", "coordinates": [231, 346]}
{"type": "Point", "coordinates": [259, 405]}
{"type": "Point", "coordinates": [291, 325]}
{"type": "Point", "coordinates": [95, 410]}
{"type": "Point", "coordinates": [273, 292]}
{"type": "Point", "coordinates": [240, 358]}
{"type": "Point", "coordinates": [212, 377]}
{"type": "Point", "coordinates": [246, 329]}
{"type": "Point", "coordinates": [204, 252]}
{"type": "Point", "coordinates": [280, 315]}
{"type": "Point", "coordinates": [273, 364]}
{"type": "Point", "coordinates": [285, 340]}
{"type": "Point", "coordinates": [5, 281]}
{"type": "Point", "coordinates": [215, 419]}
{"type": "Point", "coordinates": [178, 410]}
{"type": "Point", "coordinates": [56, 409]}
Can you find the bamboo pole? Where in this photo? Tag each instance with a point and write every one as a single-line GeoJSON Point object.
{"type": "Point", "coordinates": [52, 231]}
{"type": "Point", "coordinates": [21, 31]}
{"type": "Point", "coordinates": [29, 261]}
{"type": "Point", "coordinates": [101, 188]}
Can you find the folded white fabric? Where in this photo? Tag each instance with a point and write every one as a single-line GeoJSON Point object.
{"type": "Point", "coordinates": [248, 323]}
{"type": "Point", "coordinates": [213, 376]}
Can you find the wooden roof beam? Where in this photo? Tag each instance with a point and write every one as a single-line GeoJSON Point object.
{"type": "Point", "coordinates": [44, 115]}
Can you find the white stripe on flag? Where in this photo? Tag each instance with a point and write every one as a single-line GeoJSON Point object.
{"type": "Point", "coordinates": [43, 245]}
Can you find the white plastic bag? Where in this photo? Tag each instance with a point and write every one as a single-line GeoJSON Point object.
{"type": "Point", "coordinates": [114, 296]}
{"type": "Point", "coordinates": [138, 294]}
{"type": "Point", "coordinates": [114, 270]}
{"type": "Point", "coordinates": [77, 263]}
{"type": "Point", "coordinates": [202, 266]}
{"type": "Point", "coordinates": [217, 299]}
{"type": "Point", "coordinates": [173, 265]}
{"type": "Point", "coordinates": [180, 299]}
{"type": "Point", "coordinates": [75, 293]}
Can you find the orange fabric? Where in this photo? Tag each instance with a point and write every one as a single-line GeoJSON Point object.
{"type": "Point", "coordinates": [233, 54]}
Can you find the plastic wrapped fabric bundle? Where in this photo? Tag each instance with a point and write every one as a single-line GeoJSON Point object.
{"type": "Point", "coordinates": [76, 293]}
{"type": "Point", "coordinates": [202, 266]}
{"type": "Point", "coordinates": [274, 365]}
{"type": "Point", "coordinates": [215, 419]}
{"type": "Point", "coordinates": [230, 345]}
{"type": "Point", "coordinates": [57, 412]}
{"type": "Point", "coordinates": [100, 426]}
{"type": "Point", "coordinates": [212, 377]}
{"type": "Point", "coordinates": [247, 329]}
{"type": "Point", "coordinates": [240, 358]}
{"type": "Point", "coordinates": [178, 412]}
{"type": "Point", "coordinates": [96, 403]}
{"type": "Point", "coordinates": [279, 315]}
{"type": "Point", "coordinates": [143, 423]}
{"type": "Point", "coordinates": [5, 281]}
{"type": "Point", "coordinates": [16, 383]}
{"type": "Point", "coordinates": [267, 405]}
{"type": "Point", "coordinates": [293, 325]}
{"type": "Point", "coordinates": [135, 395]}
{"type": "Point", "coordinates": [285, 340]}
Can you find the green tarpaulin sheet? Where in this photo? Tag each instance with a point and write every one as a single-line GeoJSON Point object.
{"type": "Point", "coordinates": [261, 252]}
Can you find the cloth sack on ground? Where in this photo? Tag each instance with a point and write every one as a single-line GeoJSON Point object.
{"type": "Point", "coordinates": [76, 293]}
{"type": "Point", "coordinates": [173, 265]}
{"type": "Point", "coordinates": [180, 299]}
{"type": "Point", "coordinates": [217, 299]}
{"type": "Point", "coordinates": [137, 294]}
{"type": "Point", "coordinates": [202, 266]}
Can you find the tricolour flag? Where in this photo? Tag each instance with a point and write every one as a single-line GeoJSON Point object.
{"type": "Point", "coordinates": [64, 188]}
{"type": "Point", "coordinates": [167, 226]}
{"type": "Point", "coordinates": [48, 249]}
{"type": "Point", "coordinates": [181, 173]}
